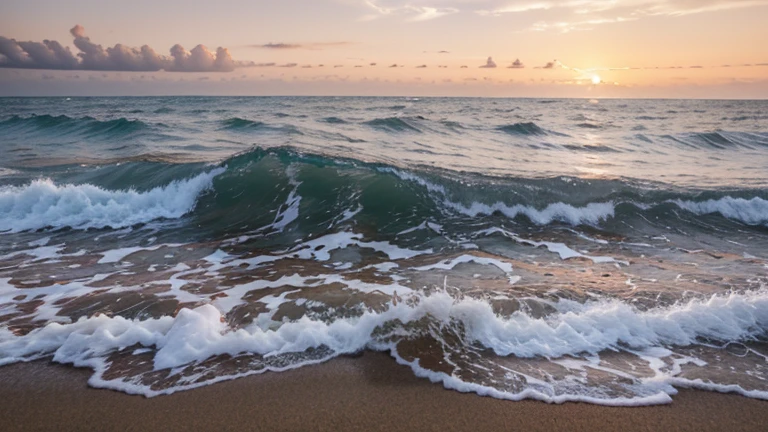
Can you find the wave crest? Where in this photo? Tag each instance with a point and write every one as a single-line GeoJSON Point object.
{"type": "Point", "coordinates": [237, 123]}
{"type": "Point", "coordinates": [43, 204]}
{"type": "Point", "coordinates": [752, 212]}
{"type": "Point", "coordinates": [524, 129]}
{"type": "Point", "coordinates": [393, 124]}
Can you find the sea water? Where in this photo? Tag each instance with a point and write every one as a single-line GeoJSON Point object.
{"type": "Point", "coordinates": [607, 251]}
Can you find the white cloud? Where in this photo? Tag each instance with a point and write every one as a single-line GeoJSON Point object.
{"type": "Point", "coordinates": [572, 15]}
{"type": "Point", "coordinates": [558, 15]}
{"type": "Point", "coordinates": [415, 10]}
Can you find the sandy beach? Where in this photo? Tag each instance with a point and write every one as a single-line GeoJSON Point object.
{"type": "Point", "coordinates": [370, 392]}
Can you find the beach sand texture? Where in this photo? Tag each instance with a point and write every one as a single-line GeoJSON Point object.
{"type": "Point", "coordinates": [369, 393]}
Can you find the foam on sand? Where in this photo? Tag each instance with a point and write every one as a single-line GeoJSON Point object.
{"type": "Point", "coordinates": [574, 330]}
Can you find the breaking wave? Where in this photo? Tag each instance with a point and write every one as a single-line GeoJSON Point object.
{"type": "Point", "coordinates": [255, 181]}
{"type": "Point", "coordinates": [572, 338]}
{"type": "Point", "coordinates": [43, 204]}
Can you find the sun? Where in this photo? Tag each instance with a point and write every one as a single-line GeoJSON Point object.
{"type": "Point", "coordinates": [596, 80]}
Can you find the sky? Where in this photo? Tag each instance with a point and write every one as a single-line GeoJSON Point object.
{"type": "Point", "coordinates": [505, 48]}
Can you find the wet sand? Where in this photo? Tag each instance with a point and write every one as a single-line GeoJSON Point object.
{"type": "Point", "coordinates": [370, 392]}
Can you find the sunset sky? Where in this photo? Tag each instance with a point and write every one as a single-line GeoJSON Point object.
{"type": "Point", "coordinates": [526, 48]}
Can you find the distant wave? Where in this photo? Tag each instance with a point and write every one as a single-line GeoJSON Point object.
{"type": "Point", "coordinates": [721, 140]}
{"type": "Point", "coordinates": [591, 148]}
{"type": "Point", "coordinates": [713, 139]}
{"type": "Point", "coordinates": [388, 107]}
{"type": "Point", "coordinates": [523, 129]}
{"type": "Point", "coordinates": [452, 124]}
{"type": "Point", "coordinates": [82, 125]}
{"type": "Point", "coordinates": [394, 124]}
{"type": "Point", "coordinates": [333, 120]}
{"type": "Point", "coordinates": [237, 123]}
{"type": "Point", "coordinates": [586, 125]}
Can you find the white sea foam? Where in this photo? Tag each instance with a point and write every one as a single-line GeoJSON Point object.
{"type": "Point", "coordinates": [574, 329]}
{"type": "Point", "coordinates": [320, 249]}
{"type": "Point", "coordinates": [449, 264]}
{"type": "Point", "coordinates": [426, 225]}
{"type": "Point", "coordinates": [407, 176]}
{"type": "Point", "coordinates": [751, 212]}
{"type": "Point", "coordinates": [117, 255]}
{"type": "Point", "coordinates": [592, 213]}
{"type": "Point", "coordinates": [559, 248]}
{"type": "Point", "coordinates": [43, 203]}
{"type": "Point", "coordinates": [288, 212]}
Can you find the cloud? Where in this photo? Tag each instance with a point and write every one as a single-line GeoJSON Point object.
{"type": "Point", "coordinates": [91, 56]}
{"type": "Point", "coordinates": [264, 64]}
{"type": "Point", "coordinates": [197, 60]}
{"type": "Point", "coordinates": [515, 8]}
{"type": "Point", "coordinates": [591, 13]}
{"type": "Point", "coordinates": [297, 46]}
{"type": "Point", "coordinates": [563, 15]}
{"type": "Point", "coordinates": [489, 64]}
{"type": "Point", "coordinates": [443, 52]}
{"type": "Point", "coordinates": [635, 7]}
{"type": "Point", "coordinates": [517, 64]}
{"type": "Point", "coordinates": [549, 65]}
{"type": "Point", "coordinates": [413, 10]}
{"type": "Point", "coordinates": [421, 67]}
{"type": "Point", "coordinates": [288, 65]}
{"type": "Point", "coordinates": [277, 46]}
{"type": "Point", "coordinates": [393, 65]}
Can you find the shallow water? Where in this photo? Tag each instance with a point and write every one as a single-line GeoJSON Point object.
{"type": "Point", "coordinates": [604, 251]}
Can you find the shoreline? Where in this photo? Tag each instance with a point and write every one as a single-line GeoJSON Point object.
{"type": "Point", "coordinates": [369, 392]}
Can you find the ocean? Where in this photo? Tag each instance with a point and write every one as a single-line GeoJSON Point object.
{"type": "Point", "coordinates": [603, 251]}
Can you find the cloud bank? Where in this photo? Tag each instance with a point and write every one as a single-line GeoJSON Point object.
{"type": "Point", "coordinates": [91, 56]}
{"type": "Point", "coordinates": [298, 46]}
{"type": "Point", "coordinates": [413, 11]}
